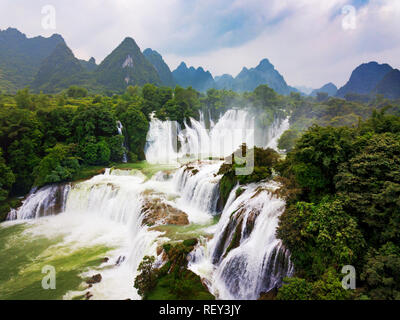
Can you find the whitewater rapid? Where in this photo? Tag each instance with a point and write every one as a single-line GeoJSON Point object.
{"type": "Point", "coordinates": [108, 210]}
{"type": "Point", "coordinates": [244, 258]}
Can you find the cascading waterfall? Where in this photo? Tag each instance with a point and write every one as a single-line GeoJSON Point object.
{"type": "Point", "coordinates": [167, 142]}
{"type": "Point", "coordinates": [120, 128]}
{"type": "Point", "coordinates": [161, 142]}
{"type": "Point", "coordinates": [45, 201]}
{"type": "Point", "coordinates": [198, 185]}
{"type": "Point", "coordinates": [275, 131]}
{"type": "Point", "coordinates": [106, 209]}
{"type": "Point", "coordinates": [245, 258]}
{"type": "Point", "coordinates": [117, 198]}
{"type": "Point", "coordinates": [242, 259]}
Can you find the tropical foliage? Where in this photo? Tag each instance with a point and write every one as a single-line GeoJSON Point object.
{"type": "Point", "coordinates": [343, 207]}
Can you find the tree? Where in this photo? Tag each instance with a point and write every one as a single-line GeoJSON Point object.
{"type": "Point", "coordinates": [288, 140]}
{"type": "Point", "coordinates": [329, 287]}
{"type": "Point", "coordinates": [95, 153]}
{"type": "Point", "coordinates": [57, 123]}
{"type": "Point", "coordinates": [24, 99]}
{"type": "Point", "coordinates": [382, 272]}
{"type": "Point", "coordinates": [132, 90]}
{"type": "Point", "coordinates": [295, 289]}
{"type": "Point", "coordinates": [320, 236]}
{"type": "Point", "coordinates": [264, 96]}
{"type": "Point", "coordinates": [94, 120]}
{"type": "Point", "coordinates": [322, 96]}
{"type": "Point", "coordinates": [77, 92]}
{"type": "Point", "coordinates": [135, 126]}
{"type": "Point", "coordinates": [7, 178]}
{"type": "Point", "coordinates": [184, 105]}
{"type": "Point", "coordinates": [316, 157]}
{"type": "Point", "coordinates": [146, 280]}
{"type": "Point", "coordinates": [370, 180]}
{"type": "Point", "coordinates": [57, 166]}
{"type": "Point", "coordinates": [117, 150]}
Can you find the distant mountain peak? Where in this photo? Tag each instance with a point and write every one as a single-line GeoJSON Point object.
{"type": "Point", "coordinates": [199, 79]}
{"type": "Point", "coordinates": [389, 86]}
{"type": "Point", "coordinates": [161, 67]}
{"type": "Point", "coordinates": [263, 73]}
{"type": "Point", "coordinates": [365, 78]}
{"type": "Point", "coordinates": [328, 88]}
{"type": "Point", "coordinates": [126, 65]}
{"type": "Point", "coordinates": [182, 65]}
{"type": "Point", "coordinates": [265, 64]}
{"type": "Point", "coordinates": [150, 51]}
{"type": "Point", "coordinates": [59, 69]}
{"type": "Point", "coordinates": [13, 32]}
{"type": "Point", "coordinates": [128, 41]}
{"type": "Point", "coordinates": [21, 57]}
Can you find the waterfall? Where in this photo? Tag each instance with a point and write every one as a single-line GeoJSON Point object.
{"type": "Point", "coordinates": [275, 132]}
{"type": "Point", "coordinates": [198, 185]}
{"type": "Point", "coordinates": [49, 200]}
{"type": "Point", "coordinates": [161, 142]}
{"type": "Point", "coordinates": [120, 128]}
{"type": "Point", "coordinates": [116, 198]}
{"type": "Point", "coordinates": [240, 258]}
{"type": "Point", "coordinates": [167, 142]}
{"type": "Point", "coordinates": [245, 258]}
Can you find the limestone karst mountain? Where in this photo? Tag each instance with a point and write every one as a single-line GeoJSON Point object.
{"type": "Point", "coordinates": [162, 68]}
{"type": "Point", "coordinates": [125, 66]}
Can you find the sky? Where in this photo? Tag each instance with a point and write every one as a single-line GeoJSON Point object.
{"type": "Point", "coordinates": [310, 42]}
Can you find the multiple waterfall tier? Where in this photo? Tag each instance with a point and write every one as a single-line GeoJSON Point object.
{"type": "Point", "coordinates": [167, 142]}
{"type": "Point", "coordinates": [242, 259]}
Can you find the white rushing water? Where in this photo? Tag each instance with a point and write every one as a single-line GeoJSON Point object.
{"type": "Point", "coordinates": [49, 200]}
{"type": "Point", "coordinates": [244, 258]}
{"type": "Point", "coordinates": [275, 132]}
{"type": "Point", "coordinates": [198, 185]}
{"type": "Point", "coordinates": [241, 260]}
{"type": "Point", "coordinates": [167, 142]}
{"type": "Point", "coordinates": [120, 128]}
{"type": "Point", "coordinates": [108, 210]}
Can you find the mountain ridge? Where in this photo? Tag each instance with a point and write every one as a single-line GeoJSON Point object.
{"type": "Point", "coordinates": [199, 79]}
{"type": "Point", "coordinates": [161, 67]}
{"type": "Point", "coordinates": [364, 79]}
{"type": "Point", "coordinates": [328, 88]}
{"type": "Point", "coordinates": [24, 62]}
{"type": "Point", "coordinates": [20, 57]}
{"type": "Point", "coordinates": [126, 65]}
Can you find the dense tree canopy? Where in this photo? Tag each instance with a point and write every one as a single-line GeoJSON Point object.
{"type": "Point", "coordinates": [343, 207]}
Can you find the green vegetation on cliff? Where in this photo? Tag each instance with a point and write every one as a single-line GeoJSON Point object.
{"type": "Point", "coordinates": [342, 190]}
{"type": "Point", "coordinates": [173, 281]}
{"type": "Point", "coordinates": [264, 161]}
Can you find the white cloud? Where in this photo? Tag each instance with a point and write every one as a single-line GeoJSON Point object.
{"type": "Point", "coordinates": [304, 39]}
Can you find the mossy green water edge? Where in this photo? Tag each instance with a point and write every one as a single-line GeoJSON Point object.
{"type": "Point", "coordinates": [23, 255]}
{"type": "Point", "coordinates": [178, 233]}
